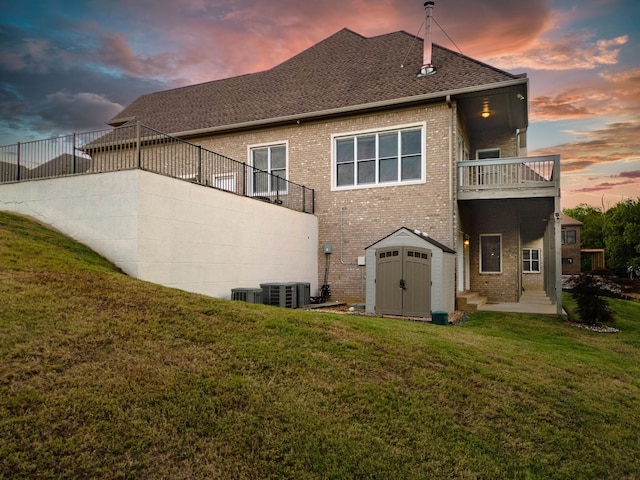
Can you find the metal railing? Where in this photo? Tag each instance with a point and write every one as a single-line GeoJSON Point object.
{"type": "Point", "coordinates": [140, 147]}
{"type": "Point", "coordinates": [509, 173]}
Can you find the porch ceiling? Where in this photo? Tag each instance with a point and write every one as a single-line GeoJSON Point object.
{"type": "Point", "coordinates": [507, 108]}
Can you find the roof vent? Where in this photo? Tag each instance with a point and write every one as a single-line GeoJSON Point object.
{"type": "Point", "coordinates": [427, 67]}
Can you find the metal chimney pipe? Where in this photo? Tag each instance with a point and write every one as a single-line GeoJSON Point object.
{"type": "Point", "coordinates": [427, 66]}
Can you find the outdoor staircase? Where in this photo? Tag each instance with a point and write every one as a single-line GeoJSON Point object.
{"type": "Point", "coordinates": [538, 297]}
{"type": "Point", "coordinates": [469, 301]}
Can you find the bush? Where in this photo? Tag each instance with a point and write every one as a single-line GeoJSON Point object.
{"type": "Point", "coordinates": [590, 298]}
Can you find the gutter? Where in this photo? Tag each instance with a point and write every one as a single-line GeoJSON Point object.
{"type": "Point", "coordinates": [351, 109]}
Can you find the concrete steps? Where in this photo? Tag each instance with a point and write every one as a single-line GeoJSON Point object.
{"type": "Point", "coordinates": [469, 301]}
{"type": "Point", "coordinates": [535, 297]}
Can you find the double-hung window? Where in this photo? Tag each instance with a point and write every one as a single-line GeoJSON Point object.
{"type": "Point", "coordinates": [269, 169]}
{"type": "Point", "coordinates": [531, 260]}
{"type": "Point", "coordinates": [388, 157]}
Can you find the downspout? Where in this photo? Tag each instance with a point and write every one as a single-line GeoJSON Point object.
{"type": "Point", "coordinates": [341, 258]}
{"type": "Point", "coordinates": [451, 199]}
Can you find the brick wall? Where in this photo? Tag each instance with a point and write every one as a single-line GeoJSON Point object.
{"type": "Point", "coordinates": [496, 218]}
{"type": "Point", "coordinates": [572, 251]}
{"type": "Point", "coordinates": [351, 220]}
{"type": "Point", "coordinates": [502, 139]}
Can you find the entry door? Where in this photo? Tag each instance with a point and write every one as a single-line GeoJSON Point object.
{"type": "Point", "coordinates": [403, 281]}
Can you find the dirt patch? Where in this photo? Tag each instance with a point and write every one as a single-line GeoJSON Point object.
{"type": "Point", "coordinates": [455, 317]}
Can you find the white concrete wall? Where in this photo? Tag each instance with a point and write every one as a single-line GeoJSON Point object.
{"type": "Point", "coordinates": [173, 232]}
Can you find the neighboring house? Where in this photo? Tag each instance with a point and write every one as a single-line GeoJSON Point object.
{"type": "Point", "coordinates": [10, 172]}
{"type": "Point", "coordinates": [570, 239]}
{"type": "Point", "coordinates": [64, 164]}
{"type": "Point", "coordinates": [385, 148]}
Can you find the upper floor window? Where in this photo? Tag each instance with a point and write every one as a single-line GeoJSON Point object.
{"type": "Point", "coordinates": [270, 168]}
{"type": "Point", "coordinates": [487, 153]}
{"type": "Point", "coordinates": [568, 236]}
{"type": "Point", "coordinates": [379, 158]}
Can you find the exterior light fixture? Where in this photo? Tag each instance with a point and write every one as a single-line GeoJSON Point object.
{"type": "Point", "coordinates": [466, 243]}
{"type": "Point", "coordinates": [486, 113]}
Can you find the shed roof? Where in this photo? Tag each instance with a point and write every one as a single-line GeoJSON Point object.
{"type": "Point", "coordinates": [343, 72]}
{"type": "Point", "coordinates": [424, 236]}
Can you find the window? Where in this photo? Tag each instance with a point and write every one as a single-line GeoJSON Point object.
{"type": "Point", "coordinates": [380, 158]}
{"type": "Point", "coordinates": [571, 236]}
{"type": "Point", "coordinates": [225, 181]}
{"type": "Point", "coordinates": [487, 153]}
{"type": "Point", "coordinates": [531, 260]}
{"type": "Point", "coordinates": [270, 169]}
{"type": "Point", "coordinates": [491, 253]}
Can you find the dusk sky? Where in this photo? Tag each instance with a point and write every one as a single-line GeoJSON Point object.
{"type": "Point", "coordinates": [70, 65]}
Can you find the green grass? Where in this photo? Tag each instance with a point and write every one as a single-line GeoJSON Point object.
{"type": "Point", "coordinates": [105, 376]}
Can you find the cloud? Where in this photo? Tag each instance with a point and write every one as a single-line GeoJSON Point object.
{"type": "Point", "coordinates": [65, 112]}
{"type": "Point", "coordinates": [564, 105]}
{"type": "Point", "coordinates": [614, 142]}
{"type": "Point", "coordinates": [601, 187]}
{"type": "Point", "coordinates": [570, 52]}
{"type": "Point", "coordinates": [608, 93]}
{"type": "Point", "coordinates": [631, 174]}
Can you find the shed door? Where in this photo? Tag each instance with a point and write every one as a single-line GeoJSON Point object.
{"type": "Point", "coordinates": [403, 281]}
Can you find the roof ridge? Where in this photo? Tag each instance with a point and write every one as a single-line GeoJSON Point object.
{"type": "Point", "coordinates": [478, 62]}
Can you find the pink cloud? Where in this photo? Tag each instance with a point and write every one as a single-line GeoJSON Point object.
{"type": "Point", "coordinates": [630, 174]}
{"type": "Point", "coordinates": [601, 187]}
{"type": "Point", "coordinates": [615, 142]}
{"type": "Point", "coordinates": [205, 40]}
{"type": "Point", "coordinates": [572, 51]}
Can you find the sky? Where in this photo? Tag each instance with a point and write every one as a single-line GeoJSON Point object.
{"type": "Point", "coordinates": [71, 65]}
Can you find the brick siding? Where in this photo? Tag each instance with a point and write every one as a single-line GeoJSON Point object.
{"type": "Point", "coordinates": [351, 220]}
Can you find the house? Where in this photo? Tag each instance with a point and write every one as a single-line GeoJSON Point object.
{"type": "Point", "coordinates": [416, 155]}
{"type": "Point", "coordinates": [385, 148]}
{"type": "Point", "coordinates": [10, 172]}
{"type": "Point", "coordinates": [63, 164]}
{"type": "Point", "coordinates": [570, 239]}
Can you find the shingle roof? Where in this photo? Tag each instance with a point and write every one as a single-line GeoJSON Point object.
{"type": "Point", "coordinates": [345, 70]}
{"type": "Point", "coordinates": [567, 220]}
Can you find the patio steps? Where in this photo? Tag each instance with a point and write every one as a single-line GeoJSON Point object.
{"type": "Point", "coordinates": [469, 301]}
{"type": "Point", "coordinates": [538, 297]}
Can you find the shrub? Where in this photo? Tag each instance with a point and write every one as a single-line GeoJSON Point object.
{"type": "Point", "coordinates": [590, 298]}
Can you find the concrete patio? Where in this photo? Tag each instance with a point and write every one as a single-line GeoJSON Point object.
{"type": "Point", "coordinates": [530, 302]}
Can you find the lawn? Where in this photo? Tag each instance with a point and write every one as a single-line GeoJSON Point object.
{"type": "Point", "coordinates": [105, 376]}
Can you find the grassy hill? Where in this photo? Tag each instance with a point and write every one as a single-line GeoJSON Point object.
{"type": "Point", "coordinates": [105, 376]}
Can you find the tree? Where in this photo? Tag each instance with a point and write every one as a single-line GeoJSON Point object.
{"type": "Point", "coordinates": [592, 232]}
{"type": "Point", "coordinates": [622, 236]}
{"type": "Point", "coordinates": [593, 308]}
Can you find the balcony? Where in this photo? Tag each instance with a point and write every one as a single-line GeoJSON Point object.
{"type": "Point", "coordinates": [140, 147]}
{"type": "Point", "coordinates": [523, 177]}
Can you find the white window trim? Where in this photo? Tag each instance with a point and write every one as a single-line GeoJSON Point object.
{"type": "Point", "coordinates": [231, 176]}
{"type": "Point", "coordinates": [539, 260]}
{"type": "Point", "coordinates": [481, 150]}
{"type": "Point", "coordinates": [334, 170]}
{"type": "Point", "coordinates": [480, 253]}
{"type": "Point", "coordinates": [286, 167]}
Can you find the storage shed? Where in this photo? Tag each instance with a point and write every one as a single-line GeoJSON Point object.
{"type": "Point", "coordinates": [409, 274]}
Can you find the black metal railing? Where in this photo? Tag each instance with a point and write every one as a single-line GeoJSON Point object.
{"type": "Point", "coordinates": [140, 147]}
